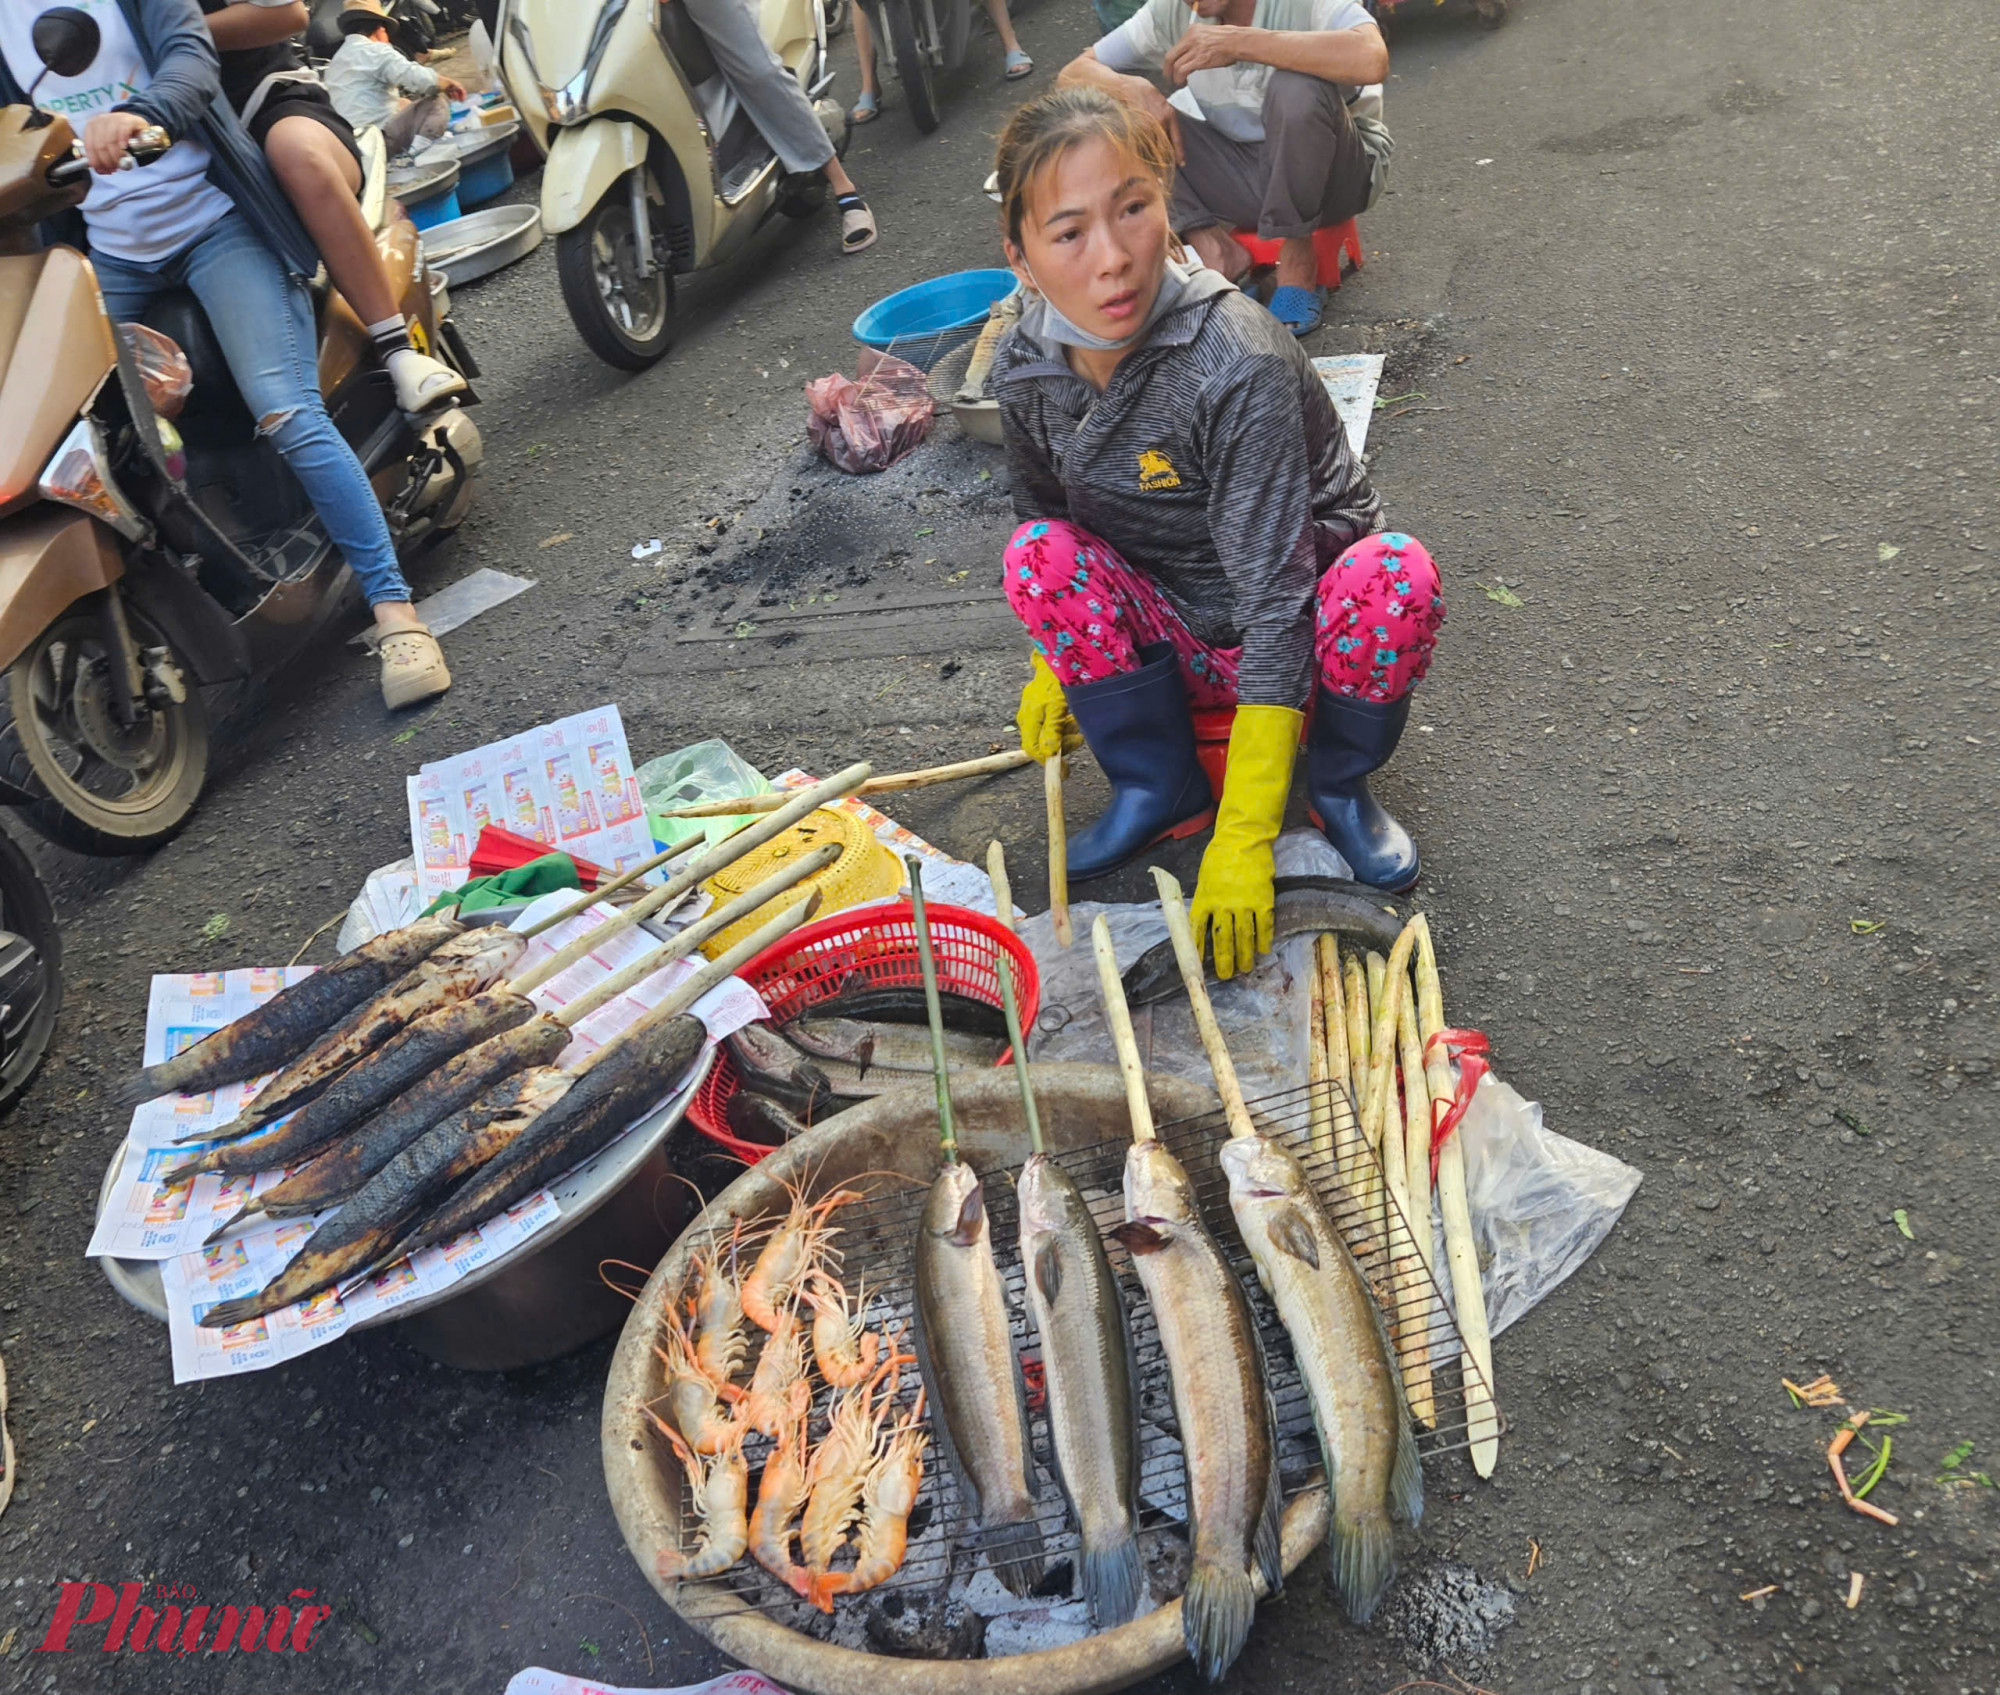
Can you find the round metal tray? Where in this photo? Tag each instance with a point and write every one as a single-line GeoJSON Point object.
{"type": "Point", "coordinates": [434, 174]}
{"type": "Point", "coordinates": [476, 144]}
{"type": "Point", "coordinates": [482, 242]}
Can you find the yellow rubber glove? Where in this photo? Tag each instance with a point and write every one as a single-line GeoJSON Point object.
{"type": "Point", "coordinates": [1043, 717]}
{"type": "Point", "coordinates": [1233, 897]}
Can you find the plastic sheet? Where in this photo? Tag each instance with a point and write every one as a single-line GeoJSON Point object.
{"type": "Point", "coordinates": [163, 367]}
{"type": "Point", "coordinates": [867, 422]}
{"type": "Point", "coordinates": [710, 770]}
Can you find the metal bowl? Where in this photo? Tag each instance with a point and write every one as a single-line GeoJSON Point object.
{"type": "Point", "coordinates": [482, 242]}
{"type": "Point", "coordinates": [979, 419]}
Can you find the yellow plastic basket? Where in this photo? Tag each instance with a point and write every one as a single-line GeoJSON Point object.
{"type": "Point", "coordinates": [865, 870]}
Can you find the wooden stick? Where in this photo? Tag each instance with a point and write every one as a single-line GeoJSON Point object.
{"type": "Point", "coordinates": [695, 934]}
{"type": "Point", "coordinates": [1187, 954]}
{"type": "Point", "coordinates": [1461, 1254]}
{"type": "Point", "coordinates": [1346, 1127]}
{"type": "Point", "coordinates": [1382, 1037]}
{"type": "Point", "coordinates": [1119, 1016]}
{"type": "Point", "coordinates": [1394, 1195]}
{"type": "Point", "coordinates": [927, 964]}
{"type": "Point", "coordinates": [1019, 1045]}
{"type": "Point", "coordinates": [1003, 893]}
{"type": "Point", "coordinates": [1319, 1104]}
{"type": "Point", "coordinates": [1366, 1183]}
{"type": "Point", "coordinates": [1052, 793]}
{"type": "Point", "coordinates": [894, 783]}
{"type": "Point", "coordinates": [715, 859]}
{"type": "Point", "coordinates": [1417, 1175]}
{"type": "Point", "coordinates": [654, 901]}
{"type": "Point", "coordinates": [590, 897]}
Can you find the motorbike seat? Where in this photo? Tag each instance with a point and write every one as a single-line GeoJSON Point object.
{"type": "Point", "coordinates": [214, 398]}
{"type": "Point", "coordinates": [686, 43]}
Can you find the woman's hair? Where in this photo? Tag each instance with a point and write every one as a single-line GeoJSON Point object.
{"type": "Point", "coordinates": [1043, 130]}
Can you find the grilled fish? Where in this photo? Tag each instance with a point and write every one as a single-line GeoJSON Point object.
{"type": "Point", "coordinates": [870, 1003]}
{"type": "Point", "coordinates": [771, 1066]}
{"type": "Point", "coordinates": [1344, 1355]}
{"type": "Point", "coordinates": [459, 968]}
{"type": "Point", "coordinates": [371, 1082]}
{"type": "Point", "coordinates": [1306, 906]}
{"type": "Point", "coordinates": [966, 1352]}
{"type": "Point", "coordinates": [338, 1171]}
{"type": "Point", "coordinates": [1087, 1364]}
{"type": "Point", "coordinates": [1221, 1403]}
{"type": "Point", "coordinates": [848, 1046]}
{"type": "Point", "coordinates": [285, 1025]}
{"type": "Point", "coordinates": [357, 1235]}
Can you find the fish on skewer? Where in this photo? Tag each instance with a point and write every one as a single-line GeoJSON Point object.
{"type": "Point", "coordinates": [459, 968]}
{"type": "Point", "coordinates": [285, 1025]}
{"type": "Point", "coordinates": [337, 1172]}
{"type": "Point", "coordinates": [849, 1047]}
{"type": "Point", "coordinates": [372, 1082]}
{"type": "Point", "coordinates": [1343, 1352]}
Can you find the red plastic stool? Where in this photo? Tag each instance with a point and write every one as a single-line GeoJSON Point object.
{"type": "Point", "coordinates": [1212, 725]}
{"type": "Point", "coordinates": [1328, 244]}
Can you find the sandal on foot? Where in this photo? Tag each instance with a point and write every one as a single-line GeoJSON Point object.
{"type": "Point", "coordinates": [866, 109]}
{"type": "Point", "coordinates": [413, 667]}
{"type": "Point", "coordinates": [1298, 309]}
{"type": "Point", "coordinates": [1018, 64]}
{"type": "Point", "coordinates": [857, 224]}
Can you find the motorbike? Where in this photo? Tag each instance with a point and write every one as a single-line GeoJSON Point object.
{"type": "Point", "coordinates": [30, 971]}
{"type": "Point", "coordinates": [653, 167]}
{"type": "Point", "coordinates": [158, 560]}
{"type": "Point", "coordinates": [926, 39]}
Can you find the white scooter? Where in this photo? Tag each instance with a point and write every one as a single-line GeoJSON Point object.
{"type": "Point", "coordinates": [653, 166]}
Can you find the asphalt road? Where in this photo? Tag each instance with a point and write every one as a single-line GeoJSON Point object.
{"type": "Point", "coordinates": [1693, 305]}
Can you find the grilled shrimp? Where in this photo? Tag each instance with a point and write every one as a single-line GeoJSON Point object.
{"type": "Point", "coordinates": [840, 1465]}
{"type": "Point", "coordinates": [692, 1397]}
{"type": "Point", "coordinates": [887, 1495]}
{"type": "Point", "coordinates": [719, 1344]}
{"type": "Point", "coordinates": [802, 1240]}
{"type": "Point", "coordinates": [781, 1492]}
{"type": "Point", "coordinates": [843, 1349]}
{"type": "Point", "coordinates": [719, 1489]}
{"type": "Point", "coordinates": [779, 1393]}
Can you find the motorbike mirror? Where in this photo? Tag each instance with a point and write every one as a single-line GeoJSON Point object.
{"type": "Point", "coordinates": [66, 39]}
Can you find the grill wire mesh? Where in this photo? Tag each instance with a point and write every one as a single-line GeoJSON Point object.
{"type": "Point", "coordinates": [1317, 1124]}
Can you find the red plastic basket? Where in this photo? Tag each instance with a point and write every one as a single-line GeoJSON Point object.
{"type": "Point", "coordinates": [877, 945]}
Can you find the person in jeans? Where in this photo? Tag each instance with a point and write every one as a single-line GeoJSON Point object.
{"type": "Point", "coordinates": [1195, 533]}
{"type": "Point", "coordinates": [312, 149]}
{"type": "Point", "coordinates": [207, 216]}
{"type": "Point", "coordinates": [371, 83]}
{"type": "Point", "coordinates": [1275, 123]}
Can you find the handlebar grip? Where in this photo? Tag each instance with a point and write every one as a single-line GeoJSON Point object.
{"type": "Point", "coordinates": [145, 147]}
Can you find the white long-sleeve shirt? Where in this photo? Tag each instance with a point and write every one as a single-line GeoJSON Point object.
{"type": "Point", "coordinates": [364, 78]}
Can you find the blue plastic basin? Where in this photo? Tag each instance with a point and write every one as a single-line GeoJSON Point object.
{"type": "Point", "coordinates": [438, 209]}
{"type": "Point", "coordinates": [922, 322]}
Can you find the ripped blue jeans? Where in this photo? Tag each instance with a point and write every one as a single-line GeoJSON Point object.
{"type": "Point", "coordinates": [263, 320]}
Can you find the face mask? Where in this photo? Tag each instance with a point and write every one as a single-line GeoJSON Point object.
{"type": "Point", "coordinates": [1053, 326]}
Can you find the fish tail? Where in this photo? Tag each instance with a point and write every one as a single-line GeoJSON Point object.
{"type": "Point", "coordinates": [181, 1173]}
{"type": "Point", "coordinates": [225, 1313]}
{"type": "Point", "coordinates": [1268, 1548]}
{"type": "Point", "coordinates": [1113, 1579]}
{"type": "Point", "coordinates": [1015, 1553]}
{"type": "Point", "coordinates": [1215, 1617]}
{"type": "Point", "coordinates": [142, 1086]}
{"type": "Point", "coordinates": [1364, 1560]}
{"type": "Point", "coordinates": [230, 1223]}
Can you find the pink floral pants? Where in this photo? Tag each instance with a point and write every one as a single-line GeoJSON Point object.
{"type": "Point", "coordinates": [1376, 616]}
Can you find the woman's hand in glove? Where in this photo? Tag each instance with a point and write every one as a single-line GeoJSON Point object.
{"type": "Point", "coordinates": [1043, 717]}
{"type": "Point", "coordinates": [1234, 898]}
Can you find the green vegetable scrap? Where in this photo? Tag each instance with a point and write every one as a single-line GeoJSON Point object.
{"type": "Point", "coordinates": [1502, 593]}
{"type": "Point", "coordinates": [1902, 1219]}
{"type": "Point", "coordinates": [216, 928]}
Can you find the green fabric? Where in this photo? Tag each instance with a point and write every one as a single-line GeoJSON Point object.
{"type": "Point", "coordinates": [542, 876]}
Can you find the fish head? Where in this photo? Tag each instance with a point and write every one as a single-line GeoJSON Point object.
{"type": "Point", "coordinates": [436, 930]}
{"type": "Point", "coordinates": [1047, 1197]}
{"type": "Point", "coordinates": [1260, 1170]}
{"type": "Point", "coordinates": [488, 949]}
{"type": "Point", "coordinates": [955, 1209]}
{"type": "Point", "coordinates": [1158, 1194]}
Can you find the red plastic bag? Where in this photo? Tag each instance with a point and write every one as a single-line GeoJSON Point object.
{"type": "Point", "coordinates": [163, 367]}
{"type": "Point", "coordinates": [869, 421]}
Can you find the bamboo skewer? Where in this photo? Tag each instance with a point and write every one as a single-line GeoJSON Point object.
{"type": "Point", "coordinates": [1390, 1197]}
{"type": "Point", "coordinates": [1367, 1176]}
{"type": "Point", "coordinates": [1119, 1016]}
{"type": "Point", "coordinates": [1052, 793]}
{"type": "Point", "coordinates": [1003, 893]}
{"type": "Point", "coordinates": [723, 854]}
{"type": "Point", "coordinates": [1417, 1176]}
{"type": "Point", "coordinates": [695, 934]}
{"type": "Point", "coordinates": [1019, 1047]}
{"type": "Point", "coordinates": [1187, 954]}
{"type": "Point", "coordinates": [894, 783]}
{"type": "Point", "coordinates": [655, 901]}
{"type": "Point", "coordinates": [927, 964]}
{"type": "Point", "coordinates": [1467, 1293]}
{"type": "Point", "coordinates": [590, 897]}
{"type": "Point", "coordinates": [1319, 1103]}
{"type": "Point", "coordinates": [1346, 1129]}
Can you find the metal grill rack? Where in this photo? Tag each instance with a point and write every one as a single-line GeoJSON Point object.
{"type": "Point", "coordinates": [1317, 1124]}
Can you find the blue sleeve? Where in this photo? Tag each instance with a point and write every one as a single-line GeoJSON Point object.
{"type": "Point", "coordinates": [187, 75]}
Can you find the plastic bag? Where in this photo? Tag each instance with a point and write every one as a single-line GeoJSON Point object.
{"type": "Point", "coordinates": [868, 424]}
{"type": "Point", "coordinates": [388, 899]}
{"type": "Point", "coordinates": [1540, 1203]}
{"type": "Point", "coordinates": [163, 367]}
{"type": "Point", "coordinates": [701, 771]}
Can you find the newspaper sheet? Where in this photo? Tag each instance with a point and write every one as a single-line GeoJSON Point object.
{"type": "Point", "coordinates": [536, 1681]}
{"type": "Point", "coordinates": [945, 879]}
{"type": "Point", "coordinates": [570, 784]}
{"type": "Point", "coordinates": [1351, 380]}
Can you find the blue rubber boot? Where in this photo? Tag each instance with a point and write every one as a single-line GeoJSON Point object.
{"type": "Point", "coordinates": [1350, 738]}
{"type": "Point", "coordinates": [1139, 728]}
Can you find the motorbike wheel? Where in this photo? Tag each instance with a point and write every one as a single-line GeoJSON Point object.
{"type": "Point", "coordinates": [94, 786]}
{"type": "Point", "coordinates": [30, 971]}
{"type": "Point", "coordinates": [625, 319]}
{"type": "Point", "coordinates": [913, 65]}
{"type": "Point", "coordinates": [836, 17]}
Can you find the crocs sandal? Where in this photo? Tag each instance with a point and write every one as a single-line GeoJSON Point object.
{"type": "Point", "coordinates": [413, 667]}
{"type": "Point", "coordinates": [1298, 309]}
{"type": "Point", "coordinates": [866, 109]}
{"type": "Point", "coordinates": [857, 224]}
{"type": "Point", "coordinates": [1018, 64]}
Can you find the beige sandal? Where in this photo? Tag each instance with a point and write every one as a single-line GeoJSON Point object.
{"type": "Point", "coordinates": [857, 228]}
{"type": "Point", "coordinates": [413, 667]}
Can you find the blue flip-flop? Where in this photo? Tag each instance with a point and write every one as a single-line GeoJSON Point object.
{"type": "Point", "coordinates": [1298, 309]}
